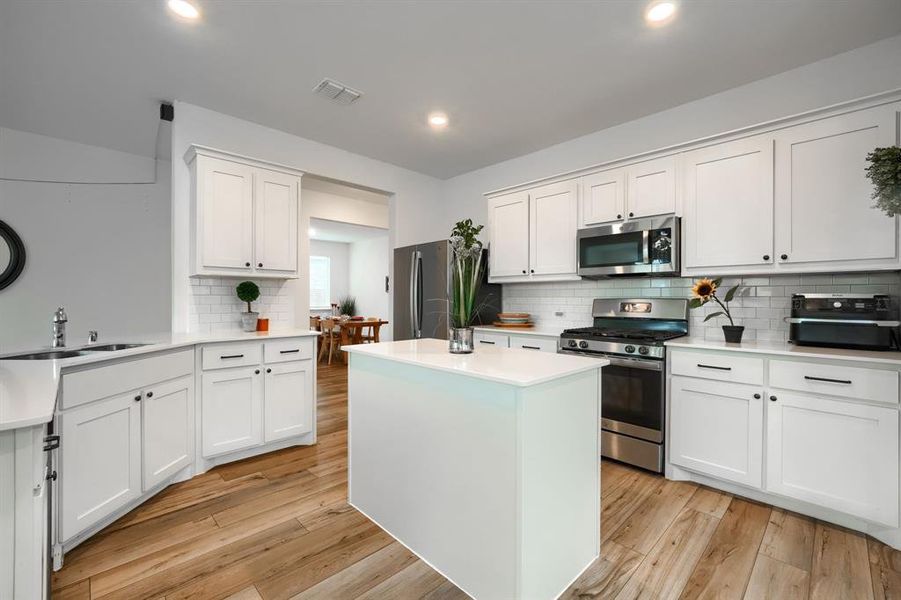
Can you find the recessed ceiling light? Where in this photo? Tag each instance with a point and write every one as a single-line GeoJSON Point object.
{"type": "Point", "coordinates": [183, 8]}
{"type": "Point", "coordinates": [660, 13]}
{"type": "Point", "coordinates": [438, 120]}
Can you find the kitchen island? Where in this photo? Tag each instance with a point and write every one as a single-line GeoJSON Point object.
{"type": "Point", "coordinates": [485, 465]}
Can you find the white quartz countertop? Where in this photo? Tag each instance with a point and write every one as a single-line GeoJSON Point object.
{"type": "Point", "coordinates": [537, 331]}
{"type": "Point", "coordinates": [512, 366]}
{"type": "Point", "coordinates": [787, 349]}
{"type": "Point", "coordinates": [28, 388]}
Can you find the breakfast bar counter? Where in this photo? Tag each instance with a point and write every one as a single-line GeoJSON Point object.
{"type": "Point", "coordinates": [486, 465]}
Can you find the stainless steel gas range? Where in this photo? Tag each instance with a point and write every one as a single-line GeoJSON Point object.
{"type": "Point", "coordinates": [630, 332]}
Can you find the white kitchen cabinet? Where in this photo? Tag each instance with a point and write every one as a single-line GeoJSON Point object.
{"type": "Point", "coordinates": [288, 400]}
{"type": "Point", "coordinates": [824, 214]}
{"type": "Point", "coordinates": [509, 245]}
{"type": "Point", "coordinates": [534, 342]}
{"type": "Point", "coordinates": [603, 198]}
{"type": "Point", "coordinates": [553, 212]}
{"type": "Point", "coordinates": [839, 455]}
{"type": "Point", "coordinates": [651, 187]}
{"type": "Point", "coordinates": [716, 428]}
{"type": "Point", "coordinates": [491, 340]}
{"type": "Point", "coordinates": [275, 238]}
{"type": "Point", "coordinates": [167, 423]}
{"type": "Point", "coordinates": [100, 460]}
{"type": "Point", "coordinates": [728, 205]}
{"type": "Point", "coordinates": [244, 215]}
{"type": "Point", "coordinates": [231, 410]}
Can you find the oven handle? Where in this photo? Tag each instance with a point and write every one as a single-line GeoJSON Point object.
{"type": "Point", "coordinates": [646, 242]}
{"type": "Point", "coordinates": [634, 363]}
{"type": "Point", "coordinates": [799, 320]}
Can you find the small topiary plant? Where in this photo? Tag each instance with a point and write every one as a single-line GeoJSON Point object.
{"type": "Point", "coordinates": [884, 170]}
{"type": "Point", "coordinates": [248, 292]}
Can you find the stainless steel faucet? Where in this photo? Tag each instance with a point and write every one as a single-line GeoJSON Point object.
{"type": "Point", "coordinates": [58, 330]}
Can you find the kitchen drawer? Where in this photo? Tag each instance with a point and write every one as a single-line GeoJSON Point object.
{"type": "Point", "coordinates": [723, 367]}
{"type": "Point", "coordinates": [223, 356]}
{"type": "Point", "coordinates": [483, 339]}
{"type": "Point", "coordinates": [81, 387]}
{"type": "Point", "coordinates": [287, 350]}
{"type": "Point", "coordinates": [835, 380]}
{"type": "Point", "coordinates": [531, 342]}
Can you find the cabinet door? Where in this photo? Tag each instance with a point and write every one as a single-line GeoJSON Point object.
{"type": "Point", "coordinates": [823, 204]}
{"type": "Point", "coordinates": [509, 250]}
{"type": "Point", "coordinates": [603, 197]}
{"type": "Point", "coordinates": [652, 187]}
{"type": "Point", "coordinates": [490, 340]}
{"type": "Point", "coordinates": [100, 461]}
{"type": "Point", "coordinates": [231, 410]}
{"type": "Point", "coordinates": [288, 400]}
{"type": "Point", "coordinates": [275, 241]}
{"type": "Point", "coordinates": [553, 213]}
{"type": "Point", "coordinates": [839, 455]}
{"type": "Point", "coordinates": [728, 212]}
{"type": "Point", "coordinates": [167, 423]}
{"type": "Point", "coordinates": [225, 214]}
{"type": "Point", "coordinates": [716, 428]}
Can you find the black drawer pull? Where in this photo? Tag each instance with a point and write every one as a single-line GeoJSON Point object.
{"type": "Point", "coordinates": [714, 367]}
{"type": "Point", "coordinates": [295, 351]}
{"type": "Point", "coordinates": [231, 356]}
{"type": "Point", "coordinates": [827, 380]}
{"type": "Point", "coordinates": [531, 347]}
{"type": "Point", "coordinates": [486, 342]}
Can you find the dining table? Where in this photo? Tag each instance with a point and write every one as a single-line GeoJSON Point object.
{"type": "Point", "coordinates": [352, 330]}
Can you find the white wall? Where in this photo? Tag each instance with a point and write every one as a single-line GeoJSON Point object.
{"type": "Point", "coordinates": [858, 73]}
{"type": "Point", "coordinates": [102, 251]}
{"type": "Point", "coordinates": [415, 198]}
{"type": "Point", "coordinates": [333, 207]}
{"type": "Point", "coordinates": [368, 268]}
{"type": "Point", "coordinates": [339, 263]}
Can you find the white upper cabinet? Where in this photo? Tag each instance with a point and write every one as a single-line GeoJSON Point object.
{"type": "Point", "coordinates": [728, 205]}
{"type": "Point", "coordinates": [552, 224]}
{"type": "Point", "coordinates": [509, 244]}
{"type": "Point", "coordinates": [651, 187]}
{"type": "Point", "coordinates": [824, 210]}
{"type": "Point", "coordinates": [603, 197]}
{"type": "Point", "coordinates": [244, 215]}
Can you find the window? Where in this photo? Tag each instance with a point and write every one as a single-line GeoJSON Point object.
{"type": "Point", "coordinates": [320, 281]}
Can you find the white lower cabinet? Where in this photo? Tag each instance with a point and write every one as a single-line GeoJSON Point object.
{"type": "Point", "coordinates": [100, 460]}
{"type": "Point", "coordinates": [534, 342]}
{"type": "Point", "coordinates": [168, 429]}
{"type": "Point", "coordinates": [840, 455]}
{"type": "Point", "coordinates": [288, 400]}
{"type": "Point", "coordinates": [490, 340]}
{"type": "Point", "coordinates": [231, 410]}
{"type": "Point", "coordinates": [717, 429]}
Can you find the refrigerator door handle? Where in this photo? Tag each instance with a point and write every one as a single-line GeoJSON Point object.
{"type": "Point", "coordinates": [419, 294]}
{"type": "Point", "coordinates": [415, 293]}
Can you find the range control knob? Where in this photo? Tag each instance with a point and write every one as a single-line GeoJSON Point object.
{"type": "Point", "coordinates": [583, 344]}
{"type": "Point", "coordinates": [630, 349]}
{"type": "Point", "coordinates": [642, 350]}
{"type": "Point", "coordinates": [573, 343]}
{"type": "Point", "coordinates": [836, 304]}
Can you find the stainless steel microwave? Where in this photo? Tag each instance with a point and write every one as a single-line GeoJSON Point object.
{"type": "Point", "coordinates": [648, 246]}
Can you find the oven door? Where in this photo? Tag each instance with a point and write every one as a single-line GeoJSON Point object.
{"type": "Point", "coordinates": [634, 247]}
{"type": "Point", "coordinates": [632, 400]}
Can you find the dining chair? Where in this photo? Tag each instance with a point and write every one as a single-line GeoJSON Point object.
{"type": "Point", "coordinates": [331, 339]}
{"type": "Point", "coordinates": [372, 330]}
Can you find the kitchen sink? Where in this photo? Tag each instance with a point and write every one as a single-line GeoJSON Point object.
{"type": "Point", "coordinates": [111, 347]}
{"type": "Point", "coordinates": [46, 355]}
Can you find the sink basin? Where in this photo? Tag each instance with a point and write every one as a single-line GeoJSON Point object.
{"type": "Point", "coordinates": [47, 355]}
{"type": "Point", "coordinates": [111, 347]}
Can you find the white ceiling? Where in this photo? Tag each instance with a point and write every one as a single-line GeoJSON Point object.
{"type": "Point", "coordinates": [335, 231]}
{"type": "Point", "coordinates": [513, 76]}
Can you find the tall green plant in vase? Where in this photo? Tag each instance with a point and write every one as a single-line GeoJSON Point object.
{"type": "Point", "coordinates": [466, 278]}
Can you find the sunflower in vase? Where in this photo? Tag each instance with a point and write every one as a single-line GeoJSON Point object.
{"type": "Point", "coordinates": [703, 291]}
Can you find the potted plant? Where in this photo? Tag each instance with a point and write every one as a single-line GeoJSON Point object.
{"type": "Point", "coordinates": [248, 292]}
{"type": "Point", "coordinates": [466, 275]}
{"type": "Point", "coordinates": [347, 306]}
{"type": "Point", "coordinates": [704, 290]}
{"type": "Point", "coordinates": [884, 171]}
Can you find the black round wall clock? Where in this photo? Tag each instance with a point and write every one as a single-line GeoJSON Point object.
{"type": "Point", "coordinates": [12, 255]}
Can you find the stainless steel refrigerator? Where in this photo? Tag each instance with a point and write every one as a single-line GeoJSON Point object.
{"type": "Point", "coordinates": [421, 290]}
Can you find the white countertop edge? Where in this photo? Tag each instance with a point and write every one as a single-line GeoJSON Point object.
{"type": "Point", "coordinates": [787, 349]}
{"type": "Point", "coordinates": [535, 331]}
{"type": "Point", "coordinates": [453, 362]}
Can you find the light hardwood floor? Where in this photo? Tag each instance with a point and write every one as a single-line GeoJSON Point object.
{"type": "Point", "coordinates": [277, 526]}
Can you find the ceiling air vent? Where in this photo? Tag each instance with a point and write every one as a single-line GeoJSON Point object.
{"type": "Point", "coordinates": [337, 91]}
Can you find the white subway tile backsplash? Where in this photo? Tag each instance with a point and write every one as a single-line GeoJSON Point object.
{"type": "Point", "coordinates": [761, 306]}
{"type": "Point", "coordinates": [215, 306]}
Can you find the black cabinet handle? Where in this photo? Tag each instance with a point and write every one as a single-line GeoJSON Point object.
{"type": "Point", "coordinates": [138, 398]}
{"type": "Point", "coordinates": [247, 264]}
{"type": "Point", "coordinates": [631, 214]}
{"type": "Point", "coordinates": [259, 264]}
{"type": "Point", "coordinates": [296, 350]}
{"type": "Point", "coordinates": [523, 270]}
{"type": "Point", "coordinates": [256, 372]}
{"type": "Point", "coordinates": [619, 216]}
{"type": "Point", "coordinates": [714, 367]}
{"type": "Point", "coordinates": [773, 398]}
{"type": "Point", "coordinates": [531, 347]}
{"type": "Point", "coordinates": [269, 370]}
{"type": "Point", "coordinates": [486, 342]}
{"type": "Point", "coordinates": [766, 257]}
{"type": "Point", "coordinates": [757, 396]}
{"type": "Point", "coordinates": [784, 257]}
{"type": "Point", "coordinates": [225, 356]}
{"type": "Point", "coordinates": [149, 394]}
{"type": "Point", "coordinates": [827, 380]}
{"type": "Point", "coordinates": [533, 270]}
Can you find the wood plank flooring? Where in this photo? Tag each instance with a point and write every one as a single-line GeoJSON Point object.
{"type": "Point", "coordinates": [278, 527]}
